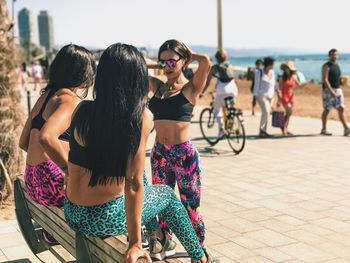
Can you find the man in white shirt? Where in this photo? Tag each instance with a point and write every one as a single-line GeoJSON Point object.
{"type": "Point", "coordinates": [264, 90]}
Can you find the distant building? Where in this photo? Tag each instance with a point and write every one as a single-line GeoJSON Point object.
{"type": "Point", "coordinates": [27, 26]}
{"type": "Point", "coordinates": [46, 30]}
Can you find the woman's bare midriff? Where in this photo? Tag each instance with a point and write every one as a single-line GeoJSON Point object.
{"type": "Point", "coordinates": [172, 132]}
{"type": "Point", "coordinates": [80, 193]}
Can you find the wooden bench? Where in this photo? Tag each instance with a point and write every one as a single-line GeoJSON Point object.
{"type": "Point", "coordinates": [74, 246]}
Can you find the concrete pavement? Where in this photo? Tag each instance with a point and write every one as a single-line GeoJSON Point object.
{"type": "Point", "coordinates": [285, 199]}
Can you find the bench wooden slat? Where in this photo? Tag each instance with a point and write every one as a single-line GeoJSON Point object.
{"type": "Point", "coordinates": [58, 212]}
{"type": "Point", "coordinates": [104, 255]}
{"type": "Point", "coordinates": [111, 245]}
{"type": "Point", "coordinates": [47, 211]}
{"type": "Point", "coordinates": [62, 254]}
{"type": "Point", "coordinates": [65, 240]}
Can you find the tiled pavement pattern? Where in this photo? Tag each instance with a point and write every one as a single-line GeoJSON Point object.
{"type": "Point", "coordinates": [280, 200]}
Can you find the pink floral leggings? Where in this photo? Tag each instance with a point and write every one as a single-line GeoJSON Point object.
{"type": "Point", "coordinates": [179, 164]}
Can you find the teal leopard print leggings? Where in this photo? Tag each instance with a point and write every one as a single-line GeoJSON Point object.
{"type": "Point", "coordinates": [109, 219]}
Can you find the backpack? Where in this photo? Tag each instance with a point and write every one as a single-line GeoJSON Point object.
{"type": "Point", "coordinates": [225, 72]}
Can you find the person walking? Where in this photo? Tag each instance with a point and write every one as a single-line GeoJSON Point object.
{"type": "Point", "coordinates": [264, 90]}
{"type": "Point", "coordinates": [37, 73]}
{"type": "Point", "coordinates": [258, 66]}
{"type": "Point", "coordinates": [287, 83]}
{"type": "Point", "coordinates": [332, 92]}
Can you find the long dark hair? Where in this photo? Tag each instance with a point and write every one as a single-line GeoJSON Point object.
{"type": "Point", "coordinates": [287, 74]}
{"type": "Point", "coordinates": [268, 61]}
{"type": "Point", "coordinates": [113, 133]}
{"type": "Point", "coordinates": [177, 47]}
{"type": "Point", "coordinates": [72, 67]}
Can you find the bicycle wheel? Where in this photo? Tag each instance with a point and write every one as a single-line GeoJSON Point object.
{"type": "Point", "coordinates": [209, 126]}
{"type": "Point", "coordinates": [235, 134]}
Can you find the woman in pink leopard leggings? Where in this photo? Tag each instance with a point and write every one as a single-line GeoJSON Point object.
{"type": "Point", "coordinates": [46, 132]}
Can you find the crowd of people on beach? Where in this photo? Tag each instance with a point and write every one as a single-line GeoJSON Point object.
{"type": "Point", "coordinates": [88, 156]}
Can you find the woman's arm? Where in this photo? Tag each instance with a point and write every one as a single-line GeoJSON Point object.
{"type": "Point", "coordinates": [134, 191]}
{"type": "Point", "coordinates": [299, 85]}
{"type": "Point", "coordinates": [58, 122]}
{"type": "Point", "coordinates": [153, 83]}
{"type": "Point", "coordinates": [199, 79]}
{"type": "Point", "coordinates": [151, 64]}
{"type": "Point", "coordinates": [279, 90]}
{"type": "Point", "coordinates": [209, 78]}
{"type": "Point", "coordinates": [25, 135]}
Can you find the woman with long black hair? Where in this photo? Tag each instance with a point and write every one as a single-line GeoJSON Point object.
{"type": "Point", "coordinates": [46, 132]}
{"type": "Point", "coordinates": [105, 191]}
{"type": "Point", "coordinates": [174, 158]}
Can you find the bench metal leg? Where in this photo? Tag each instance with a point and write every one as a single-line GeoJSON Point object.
{"type": "Point", "coordinates": [83, 254]}
{"type": "Point", "coordinates": [24, 220]}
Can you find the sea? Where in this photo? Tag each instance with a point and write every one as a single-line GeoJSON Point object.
{"type": "Point", "coordinates": [309, 65]}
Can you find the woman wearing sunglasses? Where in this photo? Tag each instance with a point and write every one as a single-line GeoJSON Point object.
{"type": "Point", "coordinates": [174, 159]}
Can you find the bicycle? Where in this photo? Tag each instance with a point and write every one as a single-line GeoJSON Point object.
{"type": "Point", "coordinates": [234, 130]}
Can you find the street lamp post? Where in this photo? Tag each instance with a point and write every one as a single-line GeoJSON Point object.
{"type": "Point", "coordinates": [220, 46]}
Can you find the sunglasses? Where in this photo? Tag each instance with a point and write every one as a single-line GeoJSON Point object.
{"type": "Point", "coordinates": [170, 63]}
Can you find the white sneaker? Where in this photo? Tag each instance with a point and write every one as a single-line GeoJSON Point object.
{"type": "Point", "coordinates": [221, 133]}
{"type": "Point", "coordinates": [160, 249]}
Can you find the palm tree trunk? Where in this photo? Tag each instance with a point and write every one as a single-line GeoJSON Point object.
{"type": "Point", "coordinates": [11, 112]}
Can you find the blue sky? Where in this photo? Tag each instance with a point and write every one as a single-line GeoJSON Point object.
{"type": "Point", "coordinates": [313, 25]}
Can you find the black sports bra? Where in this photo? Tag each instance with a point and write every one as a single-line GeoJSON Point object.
{"type": "Point", "coordinates": [77, 153]}
{"type": "Point", "coordinates": [38, 121]}
{"type": "Point", "coordinates": [176, 108]}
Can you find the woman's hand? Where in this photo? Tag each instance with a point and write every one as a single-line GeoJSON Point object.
{"type": "Point", "coordinates": [190, 52]}
{"type": "Point", "coordinates": [134, 253]}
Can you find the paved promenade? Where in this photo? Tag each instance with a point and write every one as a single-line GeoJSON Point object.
{"type": "Point", "coordinates": [281, 200]}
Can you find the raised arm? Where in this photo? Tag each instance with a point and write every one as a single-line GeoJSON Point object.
{"type": "Point", "coordinates": [212, 72]}
{"type": "Point", "coordinates": [299, 85]}
{"type": "Point", "coordinates": [199, 79]}
{"type": "Point", "coordinates": [151, 64]}
{"type": "Point", "coordinates": [134, 193]}
{"type": "Point", "coordinates": [58, 122]}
